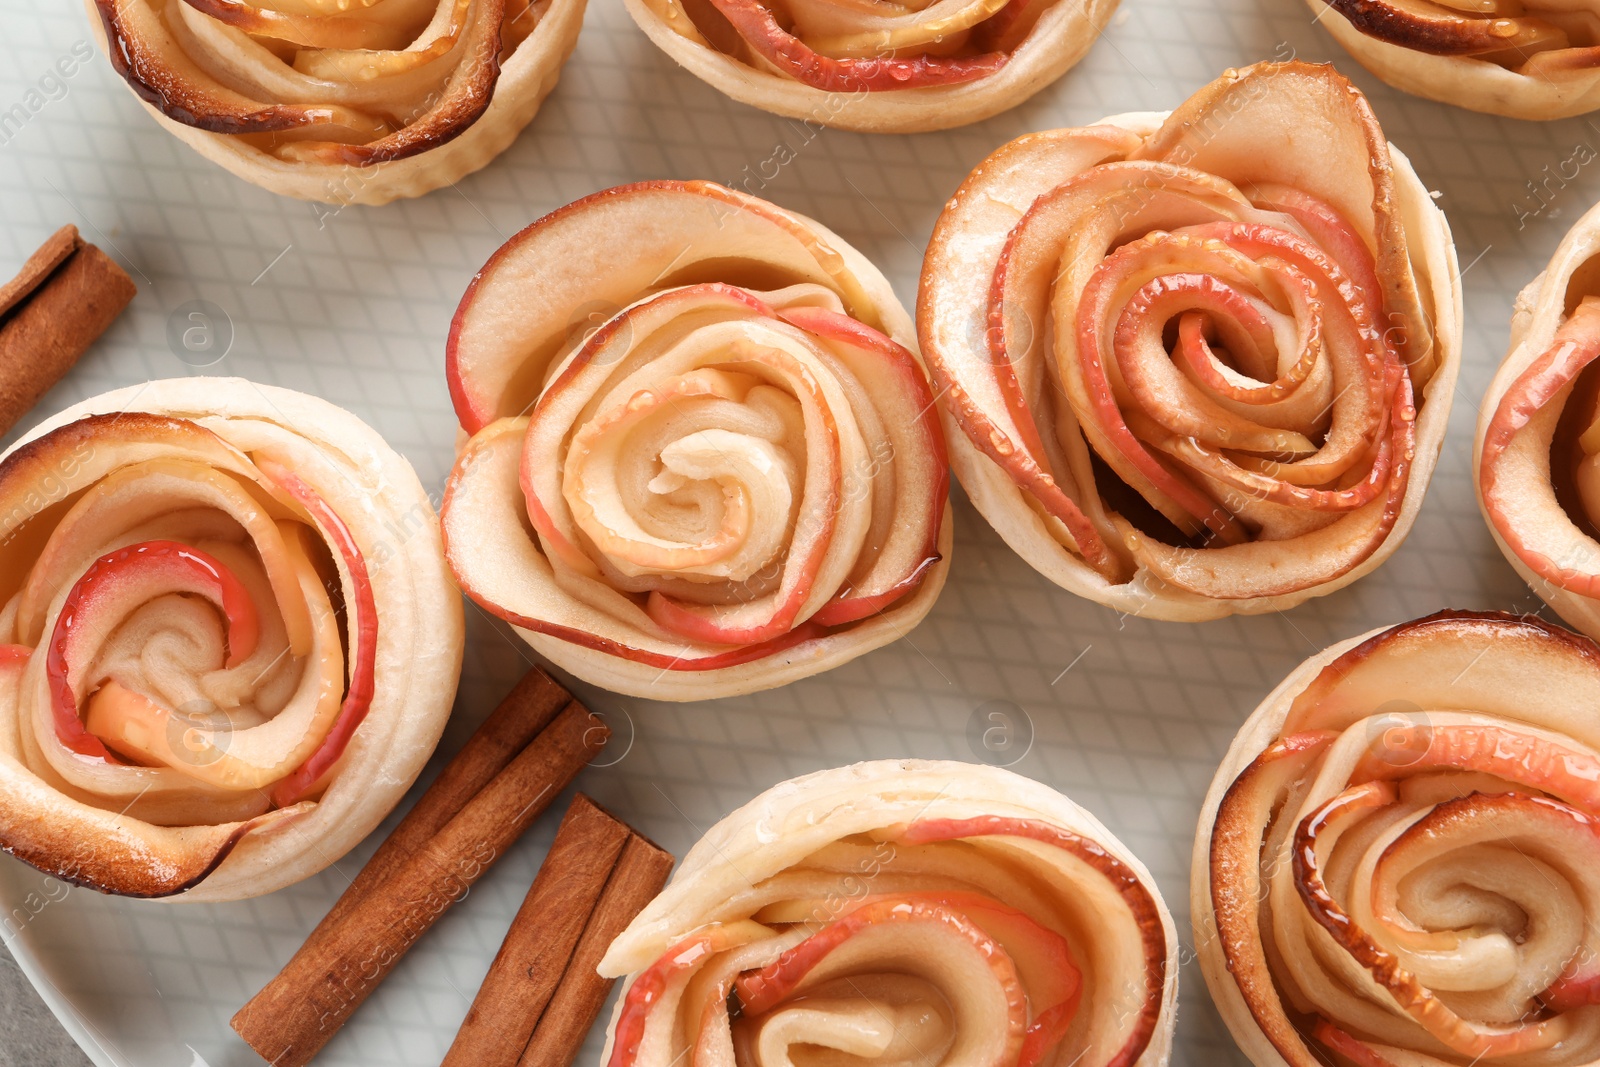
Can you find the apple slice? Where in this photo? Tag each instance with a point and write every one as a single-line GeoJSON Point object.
{"type": "Point", "coordinates": [361, 613]}
{"type": "Point", "coordinates": [112, 587]}
{"type": "Point", "coordinates": [1536, 855]}
{"type": "Point", "coordinates": [1262, 568]}
{"type": "Point", "coordinates": [450, 112]}
{"type": "Point", "coordinates": [667, 365]}
{"type": "Point", "coordinates": [1577, 987]}
{"type": "Point", "coordinates": [518, 312]}
{"type": "Point", "coordinates": [1365, 373]}
{"type": "Point", "coordinates": [329, 61]}
{"type": "Point", "coordinates": [1146, 934]}
{"type": "Point", "coordinates": [904, 539]}
{"type": "Point", "coordinates": [1184, 390]}
{"type": "Point", "coordinates": [129, 496]}
{"type": "Point", "coordinates": [1315, 838]}
{"type": "Point", "coordinates": [1534, 665]}
{"type": "Point", "coordinates": [625, 343]}
{"type": "Point", "coordinates": [633, 1042]}
{"type": "Point", "coordinates": [489, 548]}
{"type": "Point", "coordinates": [1043, 959]}
{"type": "Point", "coordinates": [967, 345]}
{"type": "Point", "coordinates": [368, 26]}
{"type": "Point", "coordinates": [1351, 171]}
{"type": "Point", "coordinates": [1239, 863]}
{"type": "Point", "coordinates": [1043, 274]}
{"type": "Point", "coordinates": [919, 938]}
{"type": "Point", "coordinates": [1010, 26]}
{"type": "Point", "coordinates": [1438, 30]}
{"type": "Point", "coordinates": [142, 729]}
{"type": "Point", "coordinates": [760, 29]}
{"type": "Point", "coordinates": [1514, 474]}
{"type": "Point", "coordinates": [1357, 1051]}
{"type": "Point", "coordinates": [856, 31]}
{"type": "Point", "coordinates": [145, 54]}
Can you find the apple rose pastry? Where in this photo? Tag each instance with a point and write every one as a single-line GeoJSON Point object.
{"type": "Point", "coordinates": [899, 913]}
{"type": "Point", "coordinates": [1198, 364]}
{"type": "Point", "coordinates": [876, 67]}
{"type": "Point", "coordinates": [1398, 863]}
{"type": "Point", "coordinates": [1538, 447]}
{"type": "Point", "coordinates": [1529, 59]}
{"type": "Point", "coordinates": [703, 457]}
{"type": "Point", "coordinates": [228, 643]}
{"type": "Point", "coordinates": [346, 103]}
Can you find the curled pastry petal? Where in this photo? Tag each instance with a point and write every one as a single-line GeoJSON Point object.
{"type": "Point", "coordinates": [704, 457]}
{"type": "Point", "coordinates": [341, 103]}
{"type": "Point", "coordinates": [1529, 59]}
{"type": "Point", "coordinates": [1396, 863]}
{"type": "Point", "coordinates": [902, 911]}
{"type": "Point", "coordinates": [228, 644]}
{"type": "Point", "coordinates": [888, 66]}
{"type": "Point", "coordinates": [1187, 374]}
{"type": "Point", "coordinates": [1535, 457]}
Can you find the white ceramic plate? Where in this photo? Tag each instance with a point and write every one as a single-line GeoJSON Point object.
{"type": "Point", "coordinates": [1128, 717]}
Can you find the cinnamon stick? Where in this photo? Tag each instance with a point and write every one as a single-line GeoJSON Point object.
{"type": "Point", "coordinates": [525, 711]}
{"type": "Point", "coordinates": [290, 1020]}
{"type": "Point", "coordinates": [640, 873]}
{"type": "Point", "coordinates": [543, 937]}
{"type": "Point", "coordinates": [66, 295]}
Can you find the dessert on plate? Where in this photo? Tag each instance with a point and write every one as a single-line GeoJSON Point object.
{"type": "Point", "coordinates": [1528, 59]}
{"type": "Point", "coordinates": [701, 456]}
{"type": "Point", "coordinates": [343, 103]}
{"type": "Point", "coordinates": [1397, 860]}
{"type": "Point", "coordinates": [876, 67]}
{"type": "Point", "coordinates": [1198, 363]}
{"type": "Point", "coordinates": [228, 644]}
{"type": "Point", "coordinates": [900, 911]}
{"type": "Point", "coordinates": [1538, 475]}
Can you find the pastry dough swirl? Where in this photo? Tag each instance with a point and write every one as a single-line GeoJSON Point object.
{"type": "Point", "coordinates": [900, 913]}
{"type": "Point", "coordinates": [702, 460]}
{"type": "Point", "coordinates": [1188, 377]}
{"type": "Point", "coordinates": [1537, 455]}
{"type": "Point", "coordinates": [228, 640]}
{"type": "Point", "coordinates": [337, 101]}
{"type": "Point", "coordinates": [1396, 861]}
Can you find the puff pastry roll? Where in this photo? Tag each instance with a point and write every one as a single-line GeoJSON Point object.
{"type": "Point", "coordinates": [900, 912]}
{"type": "Point", "coordinates": [1199, 363]}
{"type": "Point", "coordinates": [902, 66]}
{"type": "Point", "coordinates": [703, 457]}
{"type": "Point", "coordinates": [1397, 861]}
{"type": "Point", "coordinates": [1537, 454]}
{"type": "Point", "coordinates": [346, 103]}
{"type": "Point", "coordinates": [1529, 59]}
{"type": "Point", "coordinates": [228, 644]}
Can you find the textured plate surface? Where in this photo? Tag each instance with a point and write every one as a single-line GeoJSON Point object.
{"type": "Point", "coordinates": [1127, 717]}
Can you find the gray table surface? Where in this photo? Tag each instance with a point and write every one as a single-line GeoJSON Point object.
{"type": "Point", "coordinates": [29, 1034]}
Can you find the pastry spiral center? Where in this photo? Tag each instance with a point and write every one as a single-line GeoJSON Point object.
{"type": "Point", "coordinates": [699, 476]}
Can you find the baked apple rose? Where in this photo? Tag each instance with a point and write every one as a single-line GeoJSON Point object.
{"type": "Point", "coordinates": [1539, 433]}
{"type": "Point", "coordinates": [1200, 363]}
{"type": "Point", "coordinates": [900, 912]}
{"type": "Point", "coordinates": [346, 103]}
{"type": "Point", "coordinates": [228, 643]}
{"type": "Point", "coordinates": [1529, 59]}
{"type": "Point", "coordinates": [703, 458]}
{"type": "Point", "coordinates": [879, 68]}
{"type": "Point", "coordinates": [1397, 861]}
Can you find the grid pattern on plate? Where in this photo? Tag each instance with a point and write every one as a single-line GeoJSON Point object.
{"type": "Point", "coordinates": [1129, 717]}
